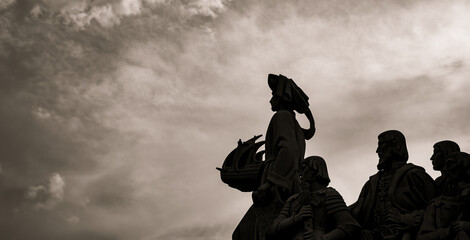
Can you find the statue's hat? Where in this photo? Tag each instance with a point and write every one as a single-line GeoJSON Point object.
{"type": "Point", "coordinates": [289, 92]}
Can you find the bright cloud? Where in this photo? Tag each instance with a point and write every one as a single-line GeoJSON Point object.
{"type": "Point", "coordinates": [6, 3]}
{"type": "Point", "coordinates": [47, 197]}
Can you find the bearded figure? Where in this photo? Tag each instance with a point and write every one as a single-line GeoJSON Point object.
{"type": "Point", "coordinates": [392, 202]}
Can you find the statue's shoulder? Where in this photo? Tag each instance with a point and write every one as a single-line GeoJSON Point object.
{"type": "Point", "coordinates": [416, 172]}
{"type": "Point", "coordinates": [412, 167]}
{"type": "Point", "coordinates": [334, 201]}
{"type": "Point", "coordinates": [372, 181]}
{"type": "Point", "coordinates": [332, 193]}
{"type": "Point", "coordinates": [329, 191]}
{"type": "Point", "coordinates": [408, 170]}
{"type": "Point", "coordinates": [411, 174]}
{"type": "Point", "coordinates": [283, 114]}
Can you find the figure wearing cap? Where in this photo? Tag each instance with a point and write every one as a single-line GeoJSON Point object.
{"type": "Point", "coordinates": [285, 139]}
{"type": "Point", "coordinates": [285, 149]}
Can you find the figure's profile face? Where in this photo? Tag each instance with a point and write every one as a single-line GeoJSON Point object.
{"type": "Point", "coordinates": [437, 158]}
{"type": "Point", "coordinates": [385, 151]}
{"type": "Point", "coordinates": [275, 103]}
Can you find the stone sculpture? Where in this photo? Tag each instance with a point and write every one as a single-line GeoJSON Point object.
{"type": "Point", "coordinates": [317, 212]}
{"type": "Point", "coordinates": [441, 151]}
{"type": "Point", "coordinates": [392, 202]}
{"type": "Point", "coordinates": [284, 150]}
{"type": "Point", "coordinates": [447, 216]}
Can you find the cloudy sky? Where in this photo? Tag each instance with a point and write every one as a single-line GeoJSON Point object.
{"type": "Point", "coordinates": [115, 113]}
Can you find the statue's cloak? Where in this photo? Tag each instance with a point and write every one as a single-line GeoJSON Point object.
{"type": "Point", "coordinates": [411, 188]}
{"type": "Point", "coordinates": [285, 149]}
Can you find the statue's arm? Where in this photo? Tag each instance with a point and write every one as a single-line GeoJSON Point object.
{"type": "Point", "coordinates": [424, 185]}
{"type": "Point", "coordinates": [284, 224]}
{"type": "Point", "coordinates": [429, 230]}
{"type": "Point", "coordinates": [357, 208]}
{"type": "Point", "coordinates": [346, 224]}
{"type": "Point", "coordinates": [423, 189]}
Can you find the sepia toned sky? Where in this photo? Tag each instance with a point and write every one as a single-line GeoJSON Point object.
{"type": "Point", "coordinates": [114, 114]}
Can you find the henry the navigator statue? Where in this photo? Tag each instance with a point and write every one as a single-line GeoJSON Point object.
{"type": "Point", "coordinates": [285, 149]}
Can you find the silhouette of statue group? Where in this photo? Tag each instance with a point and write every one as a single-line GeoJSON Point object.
{"type": "Point", "coordinates": [292, 200]}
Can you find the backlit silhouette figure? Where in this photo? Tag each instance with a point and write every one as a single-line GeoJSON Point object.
{"type": "Point", "coordinates": [318, 212]}
{"type": "Point", "coordinates": [392, 202]}
{"type": "Point", "coordinates": [285, 149]}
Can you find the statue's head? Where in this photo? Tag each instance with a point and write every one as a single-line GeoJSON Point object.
{"type": "Point", "coordinates": [286, 94]}
{"type": "Point", "coordinates": [391, 148]}
{"type": "Point", "coordinates": [313, 169]}
{"type": "Point", "coordinates": [277, 103]}
{"type": "Point", "coordinates": [441, 151]}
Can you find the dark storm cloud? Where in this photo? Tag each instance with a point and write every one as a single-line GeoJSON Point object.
{"type": "Point", "coordinates": [39, 124]}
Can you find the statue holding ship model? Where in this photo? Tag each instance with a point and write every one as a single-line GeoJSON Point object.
{"type": "Point", "coordinates": [292, 200]}
{"type": "Point", "coordinates": [275, 179]}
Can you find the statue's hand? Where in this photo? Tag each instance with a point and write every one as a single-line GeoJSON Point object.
{"type": "Point", "coordinates": [460, 226]}
{"type": "Point", "coordinates": [261, 196]}
{"type": "Point", "coordinates": [412, 219]}
{"type": "Point", "coordinates": [305, 213]}
{"type": "Point", "coordinates": [392, 215]}
{"type": "Point", "coordinates": [367, 235]}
